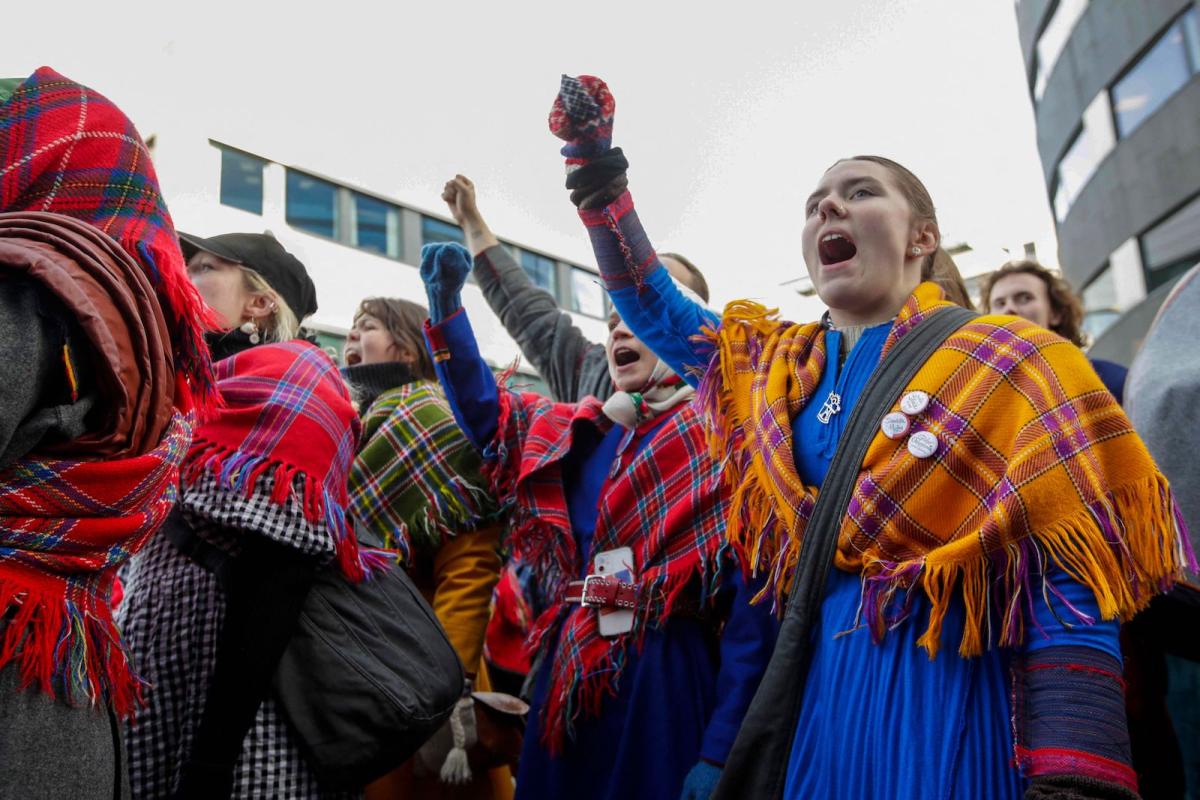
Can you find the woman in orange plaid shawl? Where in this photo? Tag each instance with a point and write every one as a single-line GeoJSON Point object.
{"type": "Point", "coordinates": [1007, 505]}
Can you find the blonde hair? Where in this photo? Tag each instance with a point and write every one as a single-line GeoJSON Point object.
{"type": "Point", "coordinates": [281, 325]}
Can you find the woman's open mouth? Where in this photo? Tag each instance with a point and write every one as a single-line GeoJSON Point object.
{"type": "Point", "coordinates": [351, 357]}
{"type": "Point", "coordinates": [834, 248]}
{"type": "Point", "coordinates": [624, 356]}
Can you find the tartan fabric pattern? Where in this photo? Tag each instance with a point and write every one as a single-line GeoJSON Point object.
{"type": "Point", "coordinates": [66, 149]}
{"type": "Point", "coordinates": [667, 505]}
{"type": "Point", "coordinates": [65, 528]}
{"type": "Point", "coordinates": [1036, 463]}
{"type": "Point", "coordinates": [417, 480]}
{"type": "Point", "coordinates": [172, 619]}
{"type": "Point", "coordinates": [286, 416]}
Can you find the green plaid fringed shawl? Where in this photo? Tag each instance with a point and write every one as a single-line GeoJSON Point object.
{"type": "Point", "coordinates": [417, 479]}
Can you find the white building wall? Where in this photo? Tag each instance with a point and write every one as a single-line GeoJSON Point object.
{"type": "Point", "coordinates": [189, 169]}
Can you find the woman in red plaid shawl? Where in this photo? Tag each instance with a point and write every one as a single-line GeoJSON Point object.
{"type": "Point", "coordinates": [101, 357]}
{"type": "Point", "coordinates": [1004, 503]}
{"type": "Point", "coordinates": [212, 601]}
{"type": "Point", "coordinates": [617, 508]}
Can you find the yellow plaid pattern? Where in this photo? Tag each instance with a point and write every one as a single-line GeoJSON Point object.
{"type": "Point", "coordinates": [1036, 465]}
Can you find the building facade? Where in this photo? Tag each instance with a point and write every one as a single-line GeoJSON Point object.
{"type": "Point", "coordinates": [354, 243]}
{"type": "Point", "coordinates": [1116, 92]}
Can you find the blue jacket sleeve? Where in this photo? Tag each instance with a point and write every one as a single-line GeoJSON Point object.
{"type": "Point", "coordinates": [469, 383]}
{"type": "Point", "coordinates": [746, 646]}
{"type": "Point", "coordinates": [643, 292]}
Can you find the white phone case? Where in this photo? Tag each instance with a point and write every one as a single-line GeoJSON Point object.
{"type": "Point", "coordinates": [616, 563]}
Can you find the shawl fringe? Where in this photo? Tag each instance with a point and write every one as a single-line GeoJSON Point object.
{"type": "Point", "coordinates": [239, 472]}
{"type": "Point", "coordinates": [1123, 547]}
{"type": "Point", "coordinates": [69, 647]}
{"type": "Point", "coordinates": [579, 693]}
{"type": "Point", "coordinates": [755, 530]}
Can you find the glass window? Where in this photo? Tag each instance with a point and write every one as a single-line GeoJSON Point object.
{"type": "Point", "coordinates": [311, 204]}
{"type": "Point", "coordinates": [587, 296]}
{"type": "Point", "coordinates": [1094, 141]}
{"type": "Point", "coordinates": [541, 269]}
{"type": "Point", "coordinates": [1158, 75]}
{"type": "Point", "coordinates": [376, 226]}
{"type": "Point", "coordinates": [1054, 38]}
{"type": "Point", "coordinates": [242, 181]}
{"type": "Point", "coordinates": [1100, 303]}
{"type": "Point", "coordinates": [1173, 245]}
{"type": "Point", "coordinates": [434, 230]}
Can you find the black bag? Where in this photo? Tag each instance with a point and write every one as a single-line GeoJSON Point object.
{"type": "Point", "coordinates": [368, 676]}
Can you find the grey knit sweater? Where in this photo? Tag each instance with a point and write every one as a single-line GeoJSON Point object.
{"type": "Point", "coordinates": [573, 366]}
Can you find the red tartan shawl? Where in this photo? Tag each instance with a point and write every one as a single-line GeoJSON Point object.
{"type": "Point", "coordinates": [286, 418]}
{"type": "Point", "coordinates": [668, 506]}
{"type": "Point", "coordinates": [72, 512]}
{"type": "Point", "coordinates": [67, 149]}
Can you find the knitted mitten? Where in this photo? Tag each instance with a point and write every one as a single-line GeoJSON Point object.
{"type": "Point", "coordinates": [444, 270]}
{"type": "Point", "coordinates": [582, 116]}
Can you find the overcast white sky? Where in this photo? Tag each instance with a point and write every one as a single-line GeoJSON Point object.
{"type": "Point", "coordinates": [729, 116]}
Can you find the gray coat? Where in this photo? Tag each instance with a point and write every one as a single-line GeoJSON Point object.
{"type": "Point", "coordinates": [573, 366]}
{"type": "Point", "coordinates": [1162, 395]}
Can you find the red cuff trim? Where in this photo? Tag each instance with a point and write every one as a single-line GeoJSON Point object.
{"type": "Point", "coordinates": [593, 217]}
{"type": "Point", "coordinates": [437, 338]}
{"type": "Point", "coordinates": [1059, 761]}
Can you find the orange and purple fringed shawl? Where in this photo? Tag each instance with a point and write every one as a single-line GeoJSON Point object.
{"type": "Point", "coordinates": [1036, 465]}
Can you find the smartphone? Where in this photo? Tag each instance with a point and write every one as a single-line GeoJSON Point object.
{"type": "Point", "coordinates": [617, 564]}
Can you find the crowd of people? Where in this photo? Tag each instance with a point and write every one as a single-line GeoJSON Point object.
{"type": "Point", "coordinates": [907, 550]}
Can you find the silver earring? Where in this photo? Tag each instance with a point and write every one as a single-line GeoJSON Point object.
{"type": "Point", "coordinates": [916, 251]}
{"type": "Point", "coordinates": [250, 328]}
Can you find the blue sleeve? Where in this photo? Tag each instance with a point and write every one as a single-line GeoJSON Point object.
{"type": "Point", "coordinates": [746, 646]}
{"type": "Point", "coordinates": [1057, 625]}
{"type": "Point", "coordinates": [469, 383]}
{"type": "Point", "coordinates": [642, 289]}
{"type": "Point", "coordinates": [667, 321]}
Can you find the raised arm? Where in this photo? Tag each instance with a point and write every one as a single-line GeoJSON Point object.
{"type": "Point", "coordinates": [470, 386]}
{"type": "Point", "coordinates": [572, 365]}
{"type": "Point", "coordinates": [642, 291]}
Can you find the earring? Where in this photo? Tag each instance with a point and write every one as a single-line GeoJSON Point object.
{"type": "Point", "coordinates": [916, 251]}
{"type": "Point", "coordinates": [250, 328]}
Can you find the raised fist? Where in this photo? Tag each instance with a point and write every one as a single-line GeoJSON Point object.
{"type": "Point", "coordinates": [444, 269]}
{"type": "Point", "coordinates": [582, 116]}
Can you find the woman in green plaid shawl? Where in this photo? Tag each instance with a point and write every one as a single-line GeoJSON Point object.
{"type": "Point", "coordinates": [416, 485]}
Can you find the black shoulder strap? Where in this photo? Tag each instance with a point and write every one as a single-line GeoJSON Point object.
{"type": "Point", "coordinates": [757, 765]}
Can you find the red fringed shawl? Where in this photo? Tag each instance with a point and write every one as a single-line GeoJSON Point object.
{"type": "Point", "coordinates": [72, 512]}
{"type": "Point", "coordinates": [66, 149]}
{"type": "Point", "coordinates": [668, 507]}
{"type": "Point", "coordinates": [286, 418]}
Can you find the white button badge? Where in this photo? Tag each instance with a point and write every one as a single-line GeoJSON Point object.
{"type": "Point", "coordinates": [914, 403]}
{"type": "Point", "coordinates": [895, 425]}
{"type": "Point", "coordinates": [922, 444]}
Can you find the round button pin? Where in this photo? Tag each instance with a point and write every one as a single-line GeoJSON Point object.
{"type": "Point", "coordinates": [895, 425]}
{"type": "Point", "coordinates": [922, 444]}
{"type": "Point", "coordinates": [914, 403]}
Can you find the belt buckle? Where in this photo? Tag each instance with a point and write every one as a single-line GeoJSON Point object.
{"type": "Point", "coordinates": [583, 594]}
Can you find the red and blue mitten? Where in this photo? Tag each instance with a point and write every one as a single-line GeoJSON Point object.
{"type": "Point", "coordinates": [582, 116]}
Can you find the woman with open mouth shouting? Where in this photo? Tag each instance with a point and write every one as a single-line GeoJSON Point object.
{"type": "Point", "coordinates": [618, 509]}
{"type": "Point", "coordinates": [1001, 506]}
